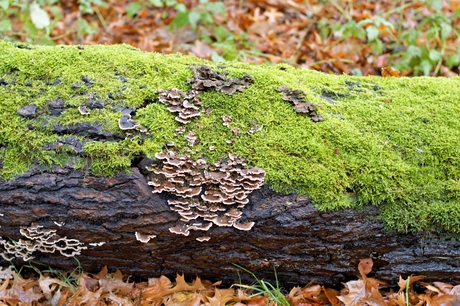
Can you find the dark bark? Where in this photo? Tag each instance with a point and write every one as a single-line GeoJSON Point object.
{"type": "Point", "coordinates": [303, 243]}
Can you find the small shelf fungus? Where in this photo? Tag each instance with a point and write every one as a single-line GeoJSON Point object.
{"type": "Point", "coordinates": [205, 78]}
{"type": "Point", "coordinates": [186, 104]}
{"type": "Point", "coordinates": [41, 240]}
{"type": "Point", "coordinates": [126, 123]}
{"type": "Point", "coordinates": [206, 194]}
{"type": "Point", "coordinates": [144, 238]}
{"type": "Point", "coordinates": [297, 97]}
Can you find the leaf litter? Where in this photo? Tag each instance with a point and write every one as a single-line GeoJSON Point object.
{"type": "Point", "coordinates": [106, 288]}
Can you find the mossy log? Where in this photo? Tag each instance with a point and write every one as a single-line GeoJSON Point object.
{"type": "Point", "coordinates": [162, 164]}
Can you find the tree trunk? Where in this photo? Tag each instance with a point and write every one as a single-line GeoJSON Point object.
{"type": "Point", "coordinates": [302, 243]}
{"type": "Point", "coordinates": [158, 164]}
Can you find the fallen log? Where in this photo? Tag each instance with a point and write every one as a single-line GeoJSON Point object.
{"type": "Point", "coordinates": [158, 164]}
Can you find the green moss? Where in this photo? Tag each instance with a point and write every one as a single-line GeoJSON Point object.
{"type": "Point", "coordinates": [391, 142]}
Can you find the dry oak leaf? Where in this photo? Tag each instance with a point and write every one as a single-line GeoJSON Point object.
{"type": "Point", "coordinates": [390, 72]}
{"type": "Point", "coordinates": [403, 282]}
{"type": "Point", "coordinates": [48, 285]}
{"type": "Point", "coordinates": [362, 292]}
{"type": "Point", "coordinates": [309, 295]}
{"type": "Point", "coordinates": [24, 289]}
{"type": "Point", "coordinates": [222, 297]}
{"type": "Point", "coordinates": [85, 297]}
{"type": "Point", "coordinates": [365, 267]}
{"type": "Point", "coordinates": [160, 288]}
{"type": "Point", "coordinates": [331, 295]}
{"type": "Point", "coordinates": [113, 282]}
{"type": "Point", "coordinates": [154, 292]}
{"type": "Point", "coordinates": [257, 301]}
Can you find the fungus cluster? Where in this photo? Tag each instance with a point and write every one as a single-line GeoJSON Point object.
{"type": "Point", "coordinates": [205, 194]}
{"type": "Point", "coordinates": [297, 97]}
{"type": "Point", "coordinates": [186, 104]}
{"type": "Point", "coordinates": [41, 240]}
{"type": "Point", "coordinates": [205, 78]}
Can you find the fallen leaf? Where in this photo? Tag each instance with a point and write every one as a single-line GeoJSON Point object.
{"type": "Point", "coordinates": [331, 295]}
{"type": "Point", "coordinates": [365, 267]}
{"type": "Point", "coordinates": [85, 297]}
{"type": "Point", "coordinates": [113, 282]}
{"type": "Point", "coordinates": [257, 300]}
{"type": "Point", "coordinates": [390, 72]}
{"type": "Point", "coordinates": [222, 297]}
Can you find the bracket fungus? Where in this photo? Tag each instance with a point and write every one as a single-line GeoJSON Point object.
{"type": "Point", "coordinates": [192, 139]}
{"type": "Point", "coordinates": [205, 78]}
{"type": "Point", "coordinates": [207, 194]}
{"type": "Point", "coordinates": [40, 240]}
{"type": "Point", "coordinates": [226, 120]}
{"type": "Point", "coordinates": [186, 104]}
{"type": "Point", "coordinates": [144, 238]}
{"type": "Point", "coordinates": [83, 110]}
{"type": "Point", "coordinates": [126, 123]}
{"type": "Point", "coordinates": [297, 97]}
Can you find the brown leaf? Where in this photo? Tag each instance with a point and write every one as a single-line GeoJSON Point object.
{"type": "Point", "coordinates": [222, 297]}
{"type": "Point", "coordinates": [390, 72]}
{"type": "Point", "coordinates": [257, 301]}
{"type": "Point", "coordinates": [365, 266]}
{"type": "Point", "coordinates": [160, 288]}
{"type": "Point", "coordinates": [331, 295]}
{"type": "Point", "coordinates": [156, 290]}
{"type": "Point", "coordinates": [46, 284]}
{"type": "Point", "coordinates": [201, 49]}
{"type": "Point", "coordinates": [85, 297]}
{"type": "Point", "coordinates": [113, 282]}
{"type": "Point", "coordinates": [402, 282]}
{"type": "Point", "coordinates": [362, 292]}
{"type": "Point", "coordinates": [24, 289]}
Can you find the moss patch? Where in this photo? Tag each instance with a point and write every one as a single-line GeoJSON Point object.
{"type": "Point", "coordinates": [391, 142]}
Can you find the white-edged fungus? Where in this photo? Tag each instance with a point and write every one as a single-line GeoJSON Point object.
{"type": "Point", "coordinates": [204, 238]}
{"type": "Point", "coordinates": [40, 240]}
{"type": "Point", "coordinates": [144, 238]}
{"type": "Point", "coordinates": [226, 120]}
{"type": "Point", "coordinates": [187, 105]}
{"type": "Point", "coordinates": [192, 139]}
{"type": "Point", "coordinates": [180, 230]}
{"type": "Point", "coordinates": [125, 123]}
{"type": "Point", "coordinates": [97, 243]}
{"type": "Point", "coordinates": [243, 226]}
{"type": "Point", "coordinates": [214, 193]}
{"type": "Point", "coordinates": [83, 110]}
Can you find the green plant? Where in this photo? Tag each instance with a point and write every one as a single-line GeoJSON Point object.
{"type": "Point", "coordinates": [273, 293]}
{"type": "Point", "coordinates": [422, 46]}
{"type": "Point", "coordinates": [200, 19]}
{"type": "Point", "coordinates": [71, 279]}
{"type": "Point", "coordinates": [407, 290]}
{"type": "Point", "coordinates": [36, 23]}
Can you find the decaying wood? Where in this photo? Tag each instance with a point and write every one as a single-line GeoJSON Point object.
{"type": "Point", "coordinates": [303, 244]}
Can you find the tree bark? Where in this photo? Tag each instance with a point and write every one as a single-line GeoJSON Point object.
{"type": "Point", "coordinates": [302, 243]}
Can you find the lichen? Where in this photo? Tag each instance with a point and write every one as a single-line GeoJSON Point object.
{"type": "Point", "coordinates": [390, 142]}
